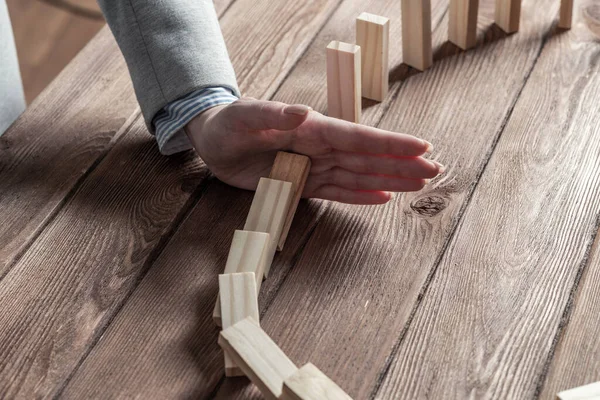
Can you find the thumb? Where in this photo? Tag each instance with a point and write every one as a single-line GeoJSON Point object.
{"type": "Point", "coordinates": [265, 115]}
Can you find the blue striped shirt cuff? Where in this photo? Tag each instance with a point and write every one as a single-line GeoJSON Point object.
{"type": "Point", "coordinates": [169, 122]}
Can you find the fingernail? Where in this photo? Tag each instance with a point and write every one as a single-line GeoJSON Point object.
{"type": "Point", "coordinates": [297, 109]}
{"type": "Point", "coordinates": [429, 146]}
{"type": "Point", "coordinates": [440, 167]}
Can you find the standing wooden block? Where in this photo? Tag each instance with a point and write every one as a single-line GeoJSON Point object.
{"type": "Point", "coordinates": [238, 299]}
{"type": "Point", "coordinates": [566, 14]}
{"type": "Point", "coordinates": [309, 383]}
{"type": "Point", "coordinates": [249, 252]}
{"type": "Point", "coordinates": [462, 25]}
{"type": "Point", "coordinates": [587, 392]}
{"type": "Point", "coordinates": [268, 212]}
{"type": "Point", "coordinates": [261, 360]}
{"type": "Point", "coordinates": [343, 81]}
{"type": "Point", "coordinates": [508, 14]}
{"type": "Point", "coordinates": [292, 168]}
{"type": "Point", "coordinates": [416, 34]}
{"type": "Point", "coordinates": [372, 35]}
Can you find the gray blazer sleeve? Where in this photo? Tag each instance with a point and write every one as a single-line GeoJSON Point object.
{"type": "Point", "coordinates": [172, 48]}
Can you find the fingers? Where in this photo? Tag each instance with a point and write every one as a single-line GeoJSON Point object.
{"type": "Point", "coordinates": [346, 136]}
{"type": "Point", "coordinates": [353, 181]}
{"type": "Point", "coordinates": [408, 167]}
{"type": "Point", "coordinates": [342, 195]}
{"type": "Point", "coordinates": [267, 115]}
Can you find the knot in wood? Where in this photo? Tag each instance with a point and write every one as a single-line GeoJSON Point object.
{"type": "Point", "coordinates": [428, 206]}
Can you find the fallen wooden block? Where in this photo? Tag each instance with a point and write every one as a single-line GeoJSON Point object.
{"type": "Point", "coordinates": [508, 15]}
{"type": "Point", "coordinates": [462, 24]}
{"type": "Point", "coordinates": [249, 252]}
{"type": "Point", "coordinates": [372, 35]}
{"type": "Point", "coordinates": [309, 383]}
{"type": "Point", "coordinates": [416, 34]}
{"type": "Point", "coordinates": [268, 212]}
{"type": "Point", "coordinates": [255, 353]}
{"type": "Point", "coordinates": [587, 392]}
{"type": "Point", "coordinates": [238, 299]}
{"type": "Point", "coordinates": [343, 81]}
{"type": "Point", "coordinates": [292, 168]}
{"type": "Point", "coordinates": [566, 14]}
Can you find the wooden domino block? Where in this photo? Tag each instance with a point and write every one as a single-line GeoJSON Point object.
{"type": "Point", "coordinates": [343, 81]}
{"type": "Point", "coordinates": [416, 34]}
{"type": "Point", "coordinates": [238, 299]}
{"type": "Point", "coordinates": [508, 15]}
{"type": "Point", "coordinates": [268, 212]}
{"type": "Point", "coordinates": [309, 383]}
{"type": "Point", "coordinates": [261, 360]}
{"type": "Point", "coordinates": [249, 252]}
{"type": "Point", "coordinates": [462, 24]}
{"type": "Point", "coordinates": [587, 392]}
{"type": "Point", "coordinates": [372, 35]}
{"type": "Point", "coordinates": [292, 168]}
{"type": "Point", "coordinates": [566, 14]}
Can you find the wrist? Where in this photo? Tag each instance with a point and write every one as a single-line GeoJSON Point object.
{"type": "Point", "coordinates": [196, 128]}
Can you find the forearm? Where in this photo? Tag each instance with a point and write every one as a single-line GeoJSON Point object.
{"type": "Point", "coordinates": [172, 48]}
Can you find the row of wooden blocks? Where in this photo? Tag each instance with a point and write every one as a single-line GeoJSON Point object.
{"type": "Point", "coordinates": [248, 350]}
{"type": "Point", "coordinates": [361, 69]}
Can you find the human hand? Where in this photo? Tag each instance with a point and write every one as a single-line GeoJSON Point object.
{"type": "Point", "coordinates": [351, 163]}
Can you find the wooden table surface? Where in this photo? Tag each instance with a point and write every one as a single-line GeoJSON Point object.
{"type": "Point", "coordinates": [484, 285]}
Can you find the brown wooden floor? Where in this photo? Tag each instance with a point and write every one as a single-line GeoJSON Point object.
{"type": "Point", "coordinates": [484, 285]}
{"type": "Point", "coordinates": [48, 37]}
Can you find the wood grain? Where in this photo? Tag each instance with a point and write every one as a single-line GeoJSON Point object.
{"type": "Point", "coordinates": [416, 33]}
{"type": "Point", "coordinates": [309, 383]}
{"type": "Point", "coordinates": [258, 356]}
{"type": "Point", "coordinates": [58, 139]}
{"type": "Point", "coordinates": [576, 361]}
{"type": "Point", "coordinates": [292, 168]}
{"type": "Point", "coordinates": [373, 37]}
{"type": "Point", "coordinates": [486, 327]}
{"type": "Point", "coordinates": [343, 81]}
{"type": "Point", "coordinates": [357, 280]}
{"type": "Point", "coordinates": [238, 296]}
{"type": "Point", "coordinates": [462, 24]}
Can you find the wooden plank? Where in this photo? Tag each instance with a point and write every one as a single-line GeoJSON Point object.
{"type": "Point", "coordinates": [268, 212]}
{"type": "Point", "coordinates": [576, 361]}
{"type": "Point", "coordinates": [487, 326]}
{"type": "Point", "coordinates": [248, 253]}
{"type": "Point", "coordinates": [309, 383]}
{"type": "Point", "coordinates": [366, 266]}
{"type": "Point", "coordinates": [258, 356]}
{"type": "Point", "coordinates": [587, 392]}
{"type": "Point", "coordinates": [462, 23]}
{"type": "Point", "coordinates": [372, 36]}
{"type": "Point", "coordinates": [416, 33]}
{"type": "Point", "coordinates": [58, 139]}
{"type": "Point", "coordinates": [343, 81]}
{"type": "Point", "coordinates": [508, 15]}
{"type": "Point", "coordinates": [566, 14]}
{"type": "Point", "coordinates": [238, 297]}
{"type": "Point", "coordinates": [292, 168]}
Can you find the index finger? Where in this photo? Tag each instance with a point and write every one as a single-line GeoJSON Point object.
{"type": "Point", "coordinates": [347, 136]}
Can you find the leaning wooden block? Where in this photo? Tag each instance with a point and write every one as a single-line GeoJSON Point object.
{"type": "Point", "coordinates": [372, 35]}
{"type": "Point", "coordinates": [587, 392]}
{"type": "Point", "coordinates": [508, 14]}
{"type": "Point", "coordinates": [416, 33]}
{"type": "Point", "coordinates": [261, 360]}
{"type": "Point", "coordinates": [309, 383]}
{"type": "Point", "coordinates": [268, 212]}
{"type": "Point", "coordinates": [566, 14]}
{"type": "Point", "coordinates": [292, 168]}
{"type": "Point", "coordinates": [249, 252]}
{"type": "Point", "coordinates": [343, 81]}
{"type": "Point", "coordinates": [238, 299]}
{"type": "Point", "coordinates": [462, 24]}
